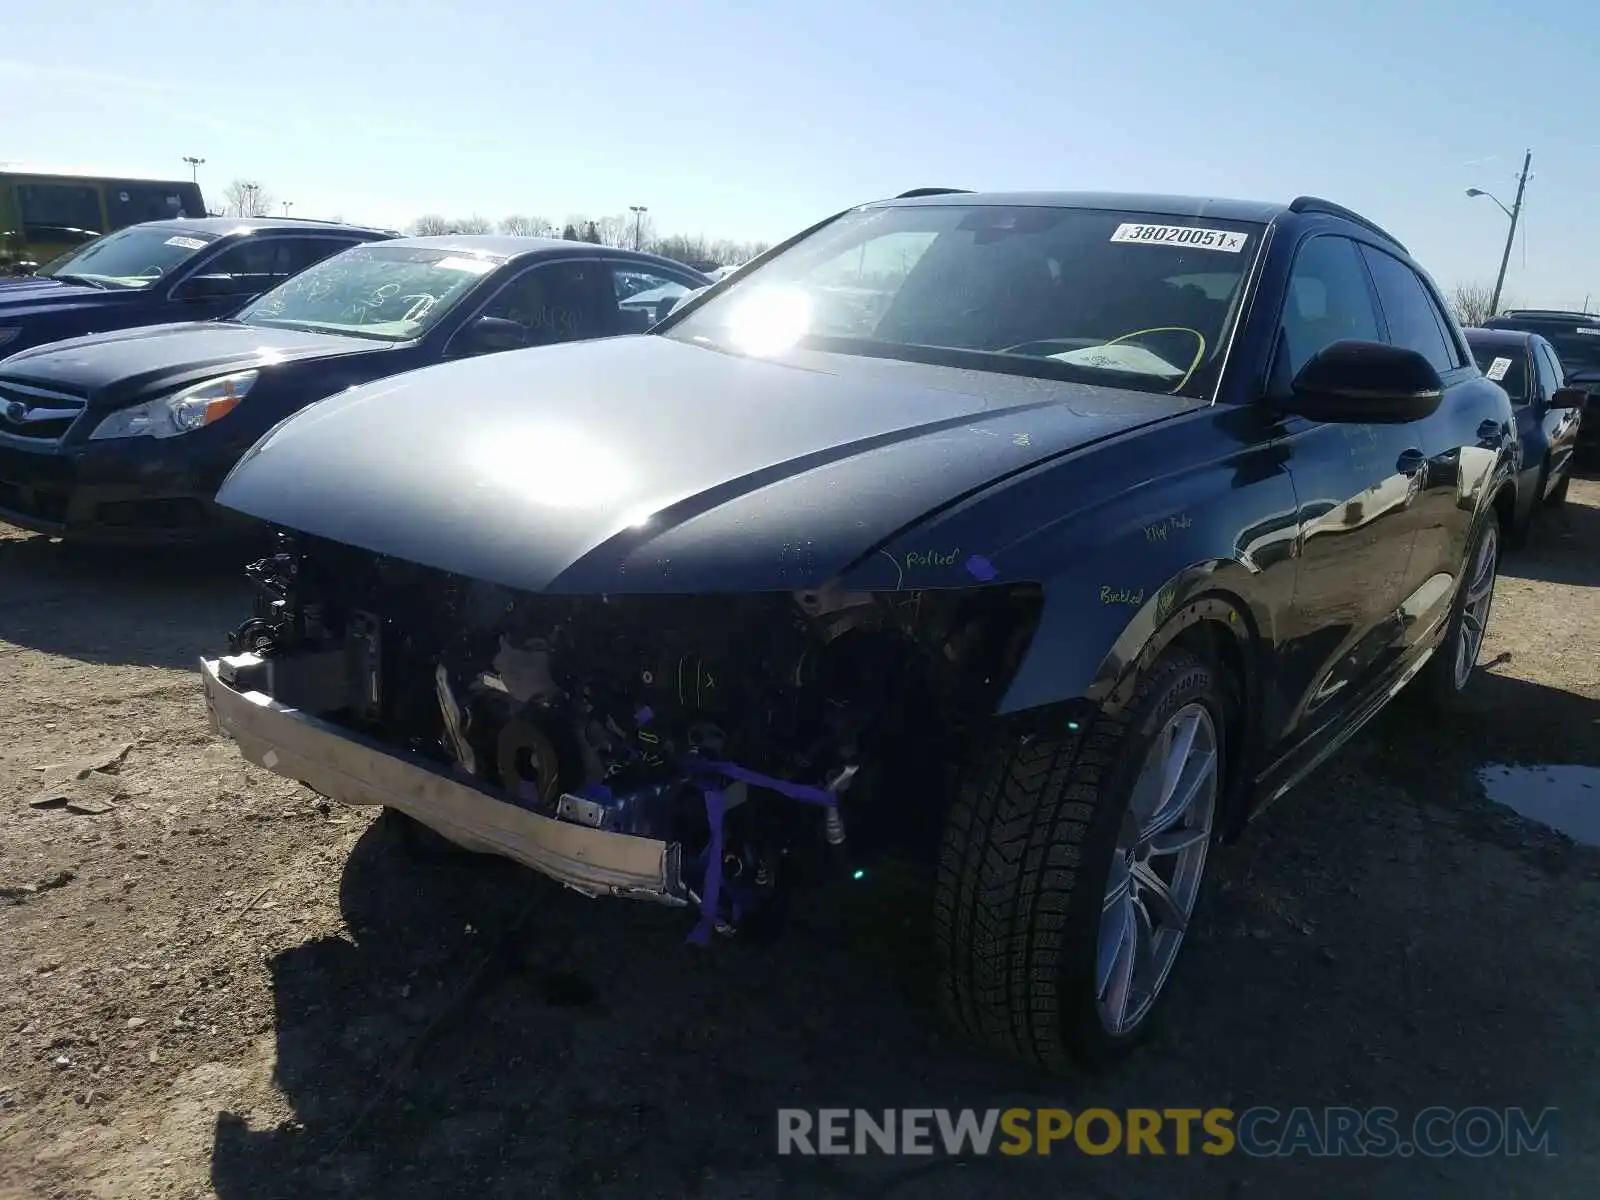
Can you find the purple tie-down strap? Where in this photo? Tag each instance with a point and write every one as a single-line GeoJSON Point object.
{"type": "Point", "coordinates": [804, 792]}
{"type": "Point", "coordinates": [716, 806]}
{"type": "Point", "coordinates": [711, 891]}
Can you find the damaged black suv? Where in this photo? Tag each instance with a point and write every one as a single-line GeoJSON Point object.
{"type": "Point", "coordinates": [1047, 536]}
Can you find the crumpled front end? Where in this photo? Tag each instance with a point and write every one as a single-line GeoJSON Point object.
{"type": "Point", "coordinates": [714, 750]}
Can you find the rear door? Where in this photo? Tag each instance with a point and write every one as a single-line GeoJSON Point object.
{"type": "Point", "coordinates": [1559, 425]}
{"type": "Point", "coordinates": [1352, 490]}
{"type": "Point", "coordinates": [1442, 455]}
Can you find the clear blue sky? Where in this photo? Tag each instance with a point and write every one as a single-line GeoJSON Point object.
{"type": "Point", "coordinates": [733, 121]}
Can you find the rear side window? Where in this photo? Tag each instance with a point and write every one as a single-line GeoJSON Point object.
{"type": "Point", "coordinates": [1550, 374]}
{"type": "Point", "coordinates": [60, 206]}
{"type": "Point", "coordinates": [131, 203]}
{"type": "Point", "coordinates": [267, 262]}
{"type": "Point", "coordinates": [1415, 321]}
{"type": "Point", "coordinates": [1328, 301]}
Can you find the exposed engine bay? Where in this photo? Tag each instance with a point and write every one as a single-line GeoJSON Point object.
{"type": "Point", "coordinates": [773, 737]}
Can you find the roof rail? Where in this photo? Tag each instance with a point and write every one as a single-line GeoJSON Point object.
{"type": "Point", "coordinates": [1315, 204]}
{"type": "Point", "coordinates": [326, 221]}
{"type": "Point", "coordinates": [933, 191]}
{"type": "Point", "coordinates": [1563, 313]}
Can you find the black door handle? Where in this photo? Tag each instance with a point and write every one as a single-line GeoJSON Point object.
{"type": "Point", "coordinates": [1411, 461]}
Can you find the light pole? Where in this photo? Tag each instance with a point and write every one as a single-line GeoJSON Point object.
{"type": "Point", "coordinates": [287, 205]}
{"type": "Point", "coordinates": [638, 211]}
{"type": "Point", "coordinates": [194, 167]}
{"type": "Point", "coordinates": [1513, 212]}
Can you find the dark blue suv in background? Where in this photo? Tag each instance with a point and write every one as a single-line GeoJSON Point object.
{"type": "Point", "coordinates": [1575, 336]}
{"type": "Point", "coordinates": [187, 269]}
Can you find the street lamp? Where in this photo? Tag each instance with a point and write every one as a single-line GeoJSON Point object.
{"type": "Point", "coordinates": [638, 211]}
{"type": "Point", "coordinates": [287, 205]}
{"type": "Point", "coordinates": [1513, 212]}
{"type": "Point", "coordinates": [1481, 192]}
{"type": "Point", "coordinates": [194, 167]}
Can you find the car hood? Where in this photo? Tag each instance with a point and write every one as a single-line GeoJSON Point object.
{"type": "Point", "coordinates": [25, 297]}
{"type": "Point", "coordinates": [154, 355]}
{"type": "Point", "coordinates": [646, 464]}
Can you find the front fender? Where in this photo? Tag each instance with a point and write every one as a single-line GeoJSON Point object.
{"type": "Point", "coordinates": [1081, 652]}
{"type": "Point", "coordinates": [1117, 553]}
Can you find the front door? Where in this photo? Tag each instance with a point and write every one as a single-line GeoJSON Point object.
{"type": "Point", "coordinates": [1353, 485]}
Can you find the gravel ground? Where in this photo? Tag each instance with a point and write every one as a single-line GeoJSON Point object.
{"type": "Point", "coordinates": [212, 984]}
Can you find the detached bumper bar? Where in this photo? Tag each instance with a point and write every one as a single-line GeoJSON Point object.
{"type": "Point", "coordinates": [346, 767]}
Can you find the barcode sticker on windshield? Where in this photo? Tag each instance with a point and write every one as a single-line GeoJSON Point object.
{"type": "Point", "coordinates": [1183, 236]}
{"type": "Point", "coordinates": [1497, 369]}
{"type": "Point", "coordinates": [473, 266]}
{"type": "Point", "coordinates": [1591, 332]}
{"type": "Point", "coordinates": [187, 243]}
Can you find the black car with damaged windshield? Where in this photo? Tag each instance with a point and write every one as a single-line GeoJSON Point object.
{"type": "Point", "coordinates": [124, 437]}
{"type": "Point", "coordinates": [1548, 415]}
{"type": "Point", "coordinates": [1045, 537]}
{"type": "Point", "coordinates": [156, 272]}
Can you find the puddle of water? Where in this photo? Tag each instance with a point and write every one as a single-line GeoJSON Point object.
{"type": "Point", "coordinates": [1566, 798]}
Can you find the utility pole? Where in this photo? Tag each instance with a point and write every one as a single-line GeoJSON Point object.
{"type": "Point", "coordinates": [638, 211]}
{"type": "Point", "coordinates": [1511, 234]}
{"type": "Point", "coordinates": [194, 167]}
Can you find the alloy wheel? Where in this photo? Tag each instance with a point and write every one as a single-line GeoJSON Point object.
{"type": "Point", "coordinates": [1156, 868]}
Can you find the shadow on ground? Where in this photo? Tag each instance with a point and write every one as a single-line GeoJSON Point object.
{"type": "Point", "coordinates": [1368, 944]}
{"type": "Point", "coordinates": [159, 608]}
{"type": "Point", "coordinates": [1563, 547]}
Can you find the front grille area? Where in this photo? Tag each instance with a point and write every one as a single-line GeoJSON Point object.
{"type": "Point", "coordinates": [37, 414]}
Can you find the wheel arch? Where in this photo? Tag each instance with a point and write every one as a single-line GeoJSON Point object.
{"type": "Point", "coordinates": [1214, 608]}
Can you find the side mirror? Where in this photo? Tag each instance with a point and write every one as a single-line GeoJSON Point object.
{"type": "Point", "coordinates": [487, 335]}
{"type": "Point", "coordinates": [213, 287]}
{"type": "Point", "coordinates": [1569, 397]}
{"type": "Point", "coordinates": [1366, 383]}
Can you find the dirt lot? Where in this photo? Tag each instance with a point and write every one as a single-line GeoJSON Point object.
{"type": "Point", "coordinates": [218, 986]}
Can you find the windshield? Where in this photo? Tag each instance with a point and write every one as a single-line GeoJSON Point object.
{"type": "Point", "coordinates": [391, 293]}
{"type": "Point", "coordinates": [1578, 350]}
{"type": "Point", "coordinates": [1119, 298]}
{"type": "Point", "coordinates": [1506, 365]}
{"type": "Point", "coordinates": [1577, 346]}
{"type": "Point", "coordinates": [138, 257]}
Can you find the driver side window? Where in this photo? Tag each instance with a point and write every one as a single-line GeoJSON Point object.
{"type": "Point", "coordinates": [552, 303]}
{"type": "Point", "coordinates": [260, 264]}
{"type": "Point", "coordinates": [1328, 301]}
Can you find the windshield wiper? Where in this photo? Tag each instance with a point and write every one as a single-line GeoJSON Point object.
{"type": "Point", "coordinates": [86, 280]}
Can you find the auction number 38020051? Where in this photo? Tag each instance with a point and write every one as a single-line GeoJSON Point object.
{"type": "Point", "coordinates": [1181, 235]}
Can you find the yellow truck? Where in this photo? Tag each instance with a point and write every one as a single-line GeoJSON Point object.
{"type": "Point", "coordinates": [46, 212]}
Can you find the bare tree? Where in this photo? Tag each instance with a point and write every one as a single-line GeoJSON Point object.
{"type": "Point", "coordinates": [472, 224]}
{"type": "Point", "coordinates": [244, 198]}
{"type": "Point", "coordinates": [519, 226]}
{"type": "Point", "coordinates": [1471, 303]}
{"type": "Point", "coordinates": [430, 225]}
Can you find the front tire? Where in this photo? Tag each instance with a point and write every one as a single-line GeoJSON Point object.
{"type": "Point", "coordinates": [1072, 865]}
